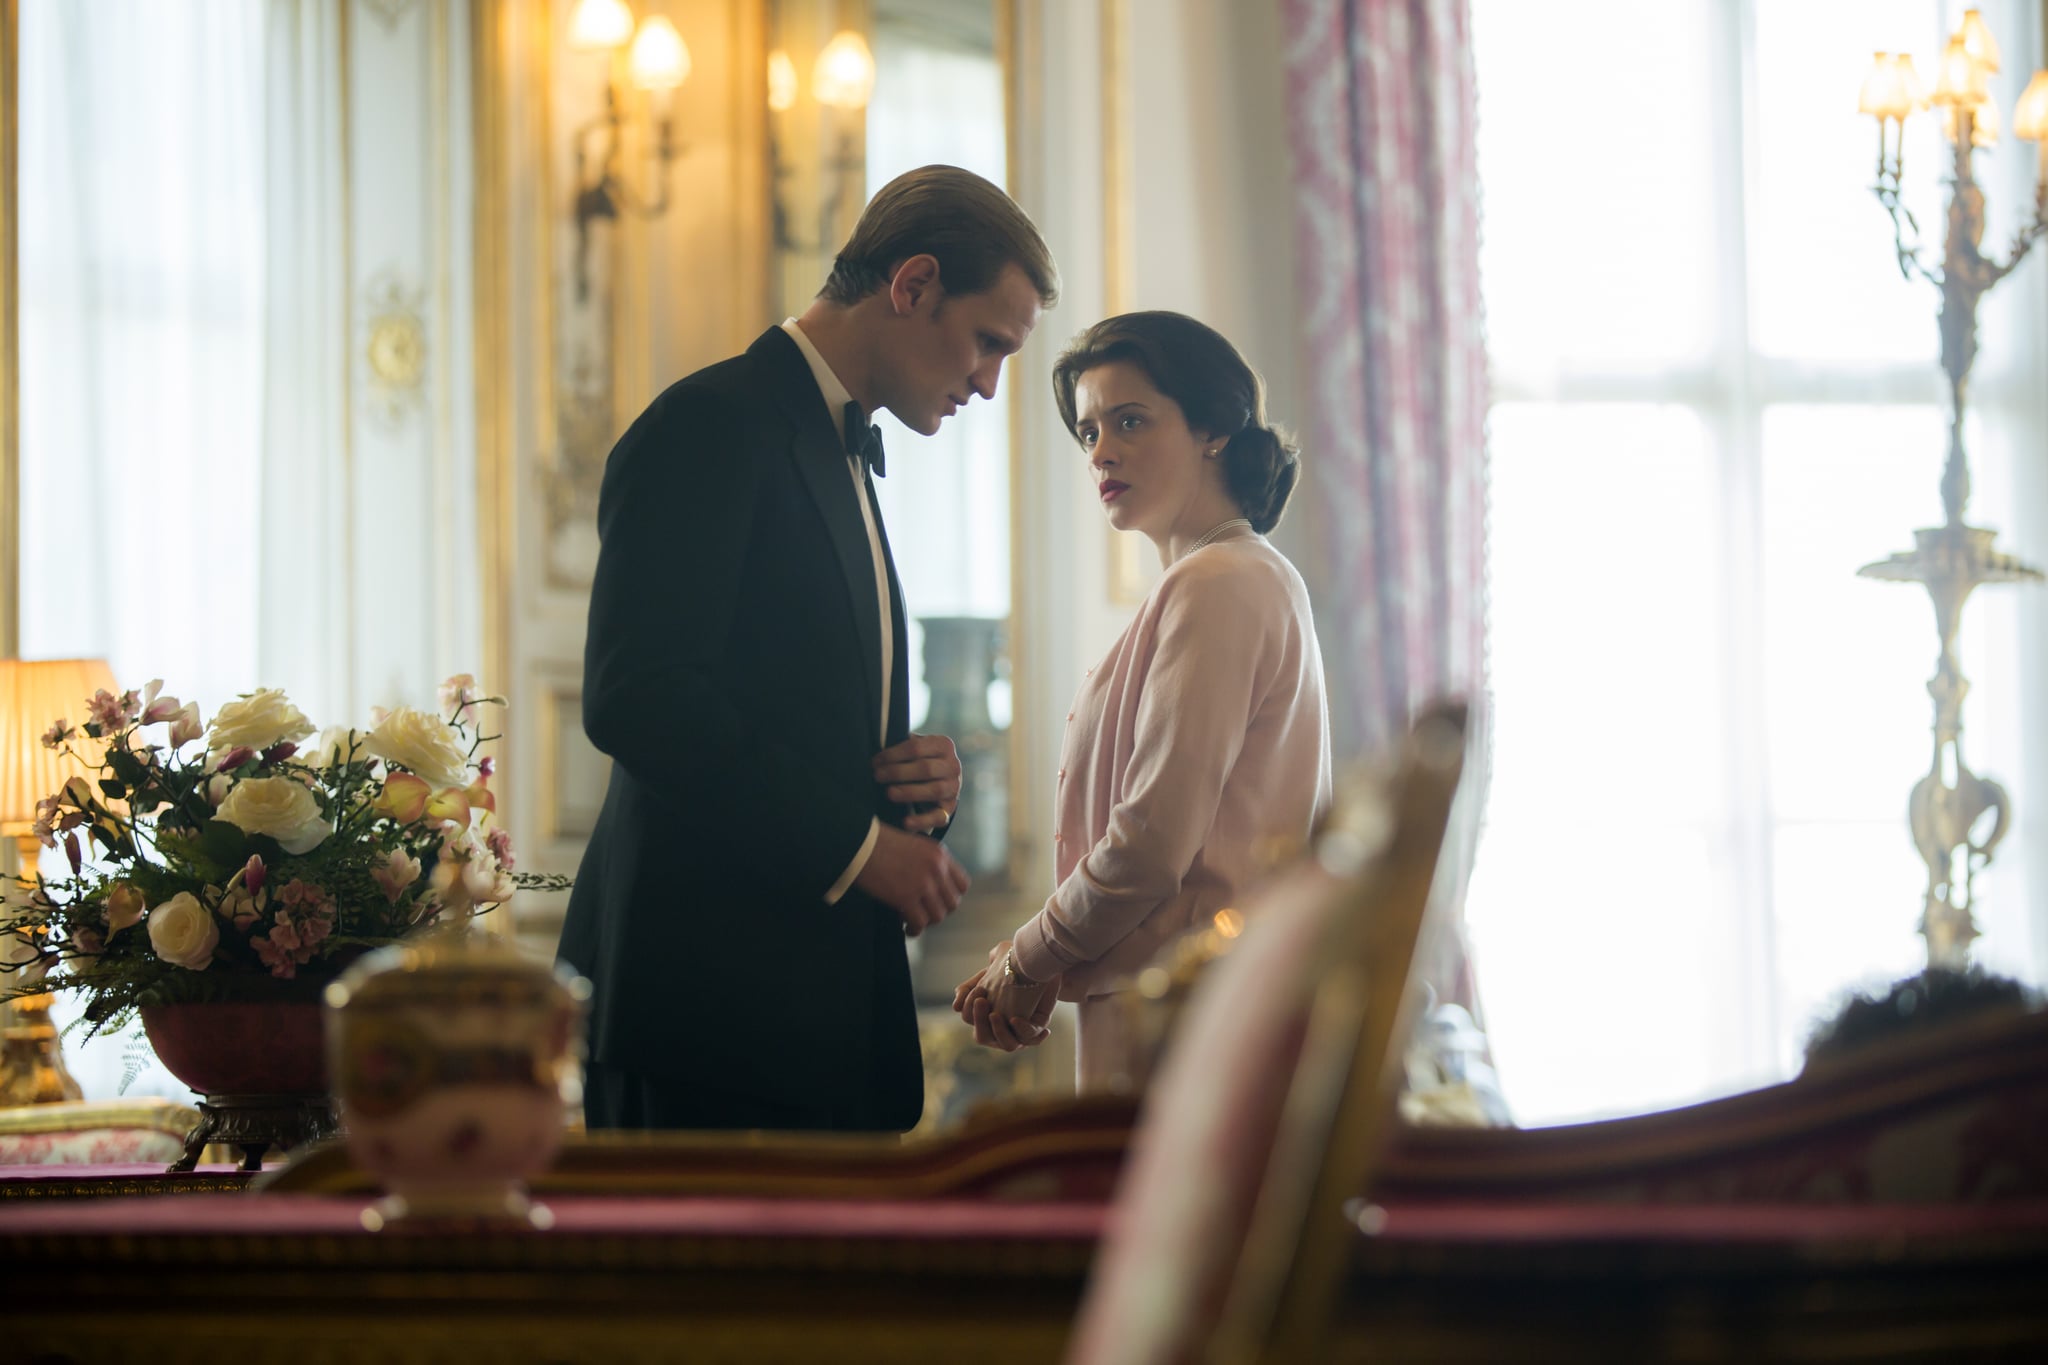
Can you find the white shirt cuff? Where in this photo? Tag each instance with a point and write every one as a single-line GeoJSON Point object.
{"type": "Point", "coordinates": [860, 860]}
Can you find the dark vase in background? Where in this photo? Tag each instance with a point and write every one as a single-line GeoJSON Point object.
{"type": "Point", "coordinates": [962, 656]}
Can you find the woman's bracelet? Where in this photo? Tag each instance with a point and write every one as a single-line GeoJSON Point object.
{"type": "Point", "coordinates": [1014, 976]}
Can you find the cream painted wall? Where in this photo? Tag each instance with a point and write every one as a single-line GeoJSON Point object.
{"type": "Point", "coordinates": [1202, 203]}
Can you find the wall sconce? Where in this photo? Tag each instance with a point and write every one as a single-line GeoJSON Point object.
{"type": "Point", "coordinates": [842, 79]}
{"type": "Point", "coordinates": [657, 64]}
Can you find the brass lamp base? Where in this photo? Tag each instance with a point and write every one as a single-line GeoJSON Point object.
{"type": "Point", "coordinates": [32, 1067]}
{"type": "Point", "coordinates": [31, 1056]}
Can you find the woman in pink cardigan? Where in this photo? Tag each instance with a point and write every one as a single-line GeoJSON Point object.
{"type": "Point", "coordinates": [1199, 747]}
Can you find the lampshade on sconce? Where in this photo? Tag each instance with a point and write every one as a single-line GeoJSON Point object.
{"type": "Point", "coordinates": [1959, 79]}
{"type": "Point", "coordinates": [1978, 42]}
{"type": "Point", "coordinates": [657, 62]}
{"type": "Point", "coordinates": [1983, 124]}
{"type": "Point", "coordinates": [2030, 115]}
{"type": "Point", "coordinates": [844, 77]}
{"type": "Point", "coordinates": [660, 59]}
{"type": "Point", "coordinates": [600, 25]}
{"type": "Point", "coordinates": [1883, 92]}
{"type": "Point", "coordinates": [781, 82]}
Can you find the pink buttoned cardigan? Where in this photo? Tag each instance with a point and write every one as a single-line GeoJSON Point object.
{"type": "Point", "coordinates": [1196, 752]}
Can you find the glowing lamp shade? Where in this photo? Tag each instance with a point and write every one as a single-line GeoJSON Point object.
{"type": "Point", "coordinates": [2030, 115]}
{"type": "Point", "coordinates": [781, 82]}
{"type": "Point", "coordinates": [1958, 79]}
{"type": "Point", "coordinates": [845, 75]}
{"type": "Point", "coordinates": [1983, 125]}
{"type": "Point", "coordinates": [1882, 94]}
{"type": "Point", "coordinates": [660, 59]}
{"type": "Point", "coordinates": [1977, 41]}
{"type": "Point", "coordinates": [600, 25]}
{"type": "Point", "coordinates": [32, 695]}
{"type": "Point", "coordinates": [1911, 92]}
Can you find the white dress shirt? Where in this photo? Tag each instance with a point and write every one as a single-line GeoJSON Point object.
{"type": "Point", "coordinates": [836, 398]}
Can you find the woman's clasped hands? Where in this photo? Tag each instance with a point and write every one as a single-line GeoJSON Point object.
{"type": "Point", "coordinates": [1004, 1008]}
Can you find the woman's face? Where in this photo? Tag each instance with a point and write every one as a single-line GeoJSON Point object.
{"type": "Point", "coordinates": [1150, 469]}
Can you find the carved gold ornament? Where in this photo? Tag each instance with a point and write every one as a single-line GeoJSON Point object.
{"type": "Point", "coordinates": [397, 348]}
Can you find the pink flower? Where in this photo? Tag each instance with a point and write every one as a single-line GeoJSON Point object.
{"type": "Point", "coordinates": [107, 712]}
{"type": "Point", "coordinates": [280, 752]}
{"type": "Point", "coordinates": [185, 724]}
{"type": "Point", "coordinates": [500, 842]}
{"type": "Point", "coordinates": [158, 708]}
{"type": "Point", "coordinates": [458, 695]}
{"type": "Point", "coordinates": [45, 826]}
{"type": "Point", "coordinates": [59, 731]}
{"type": "Point", "coordinates": [253, 873]}
{"type": "Point", "coordinates": [486, 766]}
{"type": "Point", "coordinates": [400, 871]}
{"type": "Point", "coordinates": [280, 960]}
{"type": "Point", "coordinates": [303, 896]}
{"type": "Point", "coordinates": [234, 758]}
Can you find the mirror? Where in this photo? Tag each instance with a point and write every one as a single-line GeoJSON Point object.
{"type": "Point", "coordinates": [857, 95]}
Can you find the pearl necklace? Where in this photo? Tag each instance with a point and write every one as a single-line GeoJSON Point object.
{"type": "Point", "coordinates": [1210, 535]}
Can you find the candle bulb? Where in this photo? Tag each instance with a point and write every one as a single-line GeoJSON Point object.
{"type": "Point", "coordinates": [2030, 123]}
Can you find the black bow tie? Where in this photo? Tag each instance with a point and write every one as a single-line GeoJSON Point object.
{"type": "Point", "coordinates": [864, 440]}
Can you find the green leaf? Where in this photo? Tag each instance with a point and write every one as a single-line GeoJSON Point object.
{"type": "Point", "coordinates": [224, 845]}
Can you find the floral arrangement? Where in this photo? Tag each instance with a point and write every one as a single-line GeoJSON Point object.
{"type": "Point", "coordinates": [199, 871]}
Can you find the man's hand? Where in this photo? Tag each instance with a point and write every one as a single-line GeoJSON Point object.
{"type": "Point", "coordinates": [913, 876]}
{"type": "Point", "coordinates": [922, 772]}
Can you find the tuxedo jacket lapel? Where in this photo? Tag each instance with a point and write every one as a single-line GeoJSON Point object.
{"type": "Point", "coordinates": [899, 684]}
{"type": "Point", "coordinates": [818, 449]}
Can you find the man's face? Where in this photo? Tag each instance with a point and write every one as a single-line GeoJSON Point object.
{"type": "Point", "coordinates": [952, 347]}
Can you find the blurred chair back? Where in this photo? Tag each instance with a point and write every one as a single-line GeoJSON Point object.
{"type": "Point", "coordinates": [1229, 1236]}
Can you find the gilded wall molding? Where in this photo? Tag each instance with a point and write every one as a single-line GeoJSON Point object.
{"type": "Point", "coordinates": [1126, 567]}
{"type": "Point", "coordinates": [495, 420]}
{"type": "Point", "coordinates": [388, 12]}
{"type": "Point", "coordinates": [395, 347]}
{"type": "Point", "coordinates": [10, 413]}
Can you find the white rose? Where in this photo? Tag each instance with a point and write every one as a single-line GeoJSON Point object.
{"type": "Point", "coordinates": [258, 721]}
{"type": "Point", "coordinates": [184, 932]}
{"type": "Point", "coordinates": [423, 745]}
{"type": "Point", "coordinates": [279, 807]}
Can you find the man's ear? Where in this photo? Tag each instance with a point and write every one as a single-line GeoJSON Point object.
{"type": "Point", "coordinates": [915, 282]}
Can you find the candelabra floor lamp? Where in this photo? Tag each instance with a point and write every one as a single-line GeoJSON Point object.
{"type": "Point", "coordinates": [1957, 816]}
{"type": "Point", "coordinates": [32, 695]}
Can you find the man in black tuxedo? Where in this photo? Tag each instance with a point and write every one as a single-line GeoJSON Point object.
{"type": "Point", "coordinates": [771, 832]}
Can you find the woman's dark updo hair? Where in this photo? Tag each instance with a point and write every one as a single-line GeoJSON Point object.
{"type": "Point", "coordinates": [1219, 395]}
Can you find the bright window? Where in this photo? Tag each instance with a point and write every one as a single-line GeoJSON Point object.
{"type": "Point", "coordinates": [1715, 399]}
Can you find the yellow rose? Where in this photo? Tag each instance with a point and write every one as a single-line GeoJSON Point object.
{"type": "Point", "coordinates": [279, 807]}
{"type": "Point", "coordinates": [423, 745]}
{"type": "Point", "coordinates": [257, 721]}
{"type": "Point", "coordinates": [183, 932]}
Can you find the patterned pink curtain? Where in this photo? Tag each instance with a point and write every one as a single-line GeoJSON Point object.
{"type": "Point", "coordinates": [1386, 207]}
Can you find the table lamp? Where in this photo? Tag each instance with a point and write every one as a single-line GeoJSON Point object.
{"type": "Point", "coordinates": [32, 695]}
